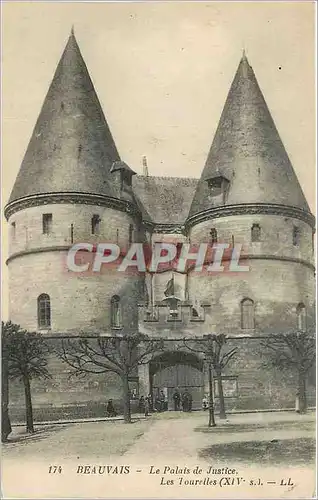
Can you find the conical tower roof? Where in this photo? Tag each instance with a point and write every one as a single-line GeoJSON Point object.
{"type": "Point", "coordinates": [71, 149]}
{"type": "Point", "coordinates": [248, 153]}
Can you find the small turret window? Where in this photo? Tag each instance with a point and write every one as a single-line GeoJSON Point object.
{"type": "Point", "coordinates": [96, 220]}
{"type": "Point", "coordinates": [47, 222]}
{"type": "Point", "coordinates": [115, 311]}
{"type": "Point", "coordinates": [13, 227]}
{"type": "Point", "coordinates": [44, 311]}
{"type": "Point", "coordinates": [214, 235]}
{"type": "Point", "coordinates": [296, 236]}
{"type": "Point", "coordinates": [301, 317]}
{"type": "Point", "coordinates": [131, 233]}
{"type": "Point", "coordinates": [247, 314]}
{"type": "Point", "coordinates": [256, 232]}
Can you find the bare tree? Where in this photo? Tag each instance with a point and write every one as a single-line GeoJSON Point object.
{"type": "Point", "coordinates": [213, 348]}
{"type": "Point", "coordinates": [5, 418]}
{"type": "Point", "coordinates": [25, 355]}
{"type": "Point", "coordinates": [121, 355]}
{"type": "Point", "coordinates": [295, 351]}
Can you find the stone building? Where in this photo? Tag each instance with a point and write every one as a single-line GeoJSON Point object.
{"type": "Point", "coordinates": [73, 186]}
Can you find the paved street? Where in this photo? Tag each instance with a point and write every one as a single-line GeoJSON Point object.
{"type": "Point", "coordinates": [166, 440]}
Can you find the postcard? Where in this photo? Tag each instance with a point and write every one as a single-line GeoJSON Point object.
{"type": "Point", "coordinates": [158, 237]}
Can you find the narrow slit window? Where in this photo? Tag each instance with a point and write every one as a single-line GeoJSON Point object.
{"type": "Point", "coordinates": [296, 236]}
{"type": "Point", "coordinates": [256, 232]}
{"type": "Point", "coordinates": [214, 235]}
{"type": "Point", "coordinates": [301, 317]}
{"type": "Point", "coordinates": [131, 233]}
{"type": "Point", "coordinates": [115, 311]}
{"type": "Point", "coordinates": [96, 220]}
{"type": "Point", "coordinates": [47, 221]}
{"type": "Point", "coordinates": [13, 229]}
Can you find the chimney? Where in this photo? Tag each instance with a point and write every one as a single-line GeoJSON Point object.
{"type": "Point", "coordinates": [145, 166]}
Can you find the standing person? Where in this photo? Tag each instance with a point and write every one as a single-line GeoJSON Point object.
{"type": "Point", "coordinates": [110, 410]}
{"type": "Point", "coordinates": [185, 401]}
{"type": "Point", "coordinates": [162, 401]}
{"type": "Point", "coordinates": [149, 397]}
{"type": "Point", "coordinates": [176, 400]}
{"type": "Point", "coordinates": [141, 404]}
{"type": "Point", "coordinates": [157, 404]}
{"type": "Point", "coordinates": [190, 400]}
{"type": "Point", "coordinates": [205, 403]}
{"type": "Point", "coordinates": [147, 407]}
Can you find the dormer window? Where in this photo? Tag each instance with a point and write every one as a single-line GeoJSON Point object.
{"type": "Point", "coordinates": [218, 185]}
{"type": "Point", "coordinates": [126, 173]}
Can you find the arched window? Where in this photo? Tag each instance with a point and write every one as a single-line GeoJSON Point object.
{"type": "Point", "coordinates": [247, 314]}
{"type": "Point", "coordinates": [256, 232]}
{"type": "Point", "coordinates": [301, 317]}
{"type": "Point", "coordinates": [44, 311]}
{"type": "Point", "coordinates": [214, 235]}
{"type": "Point", "coordinates": [115, 311]}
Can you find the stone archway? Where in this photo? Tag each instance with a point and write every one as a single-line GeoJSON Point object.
{"type": "Point", "coordinates": [177, 369]}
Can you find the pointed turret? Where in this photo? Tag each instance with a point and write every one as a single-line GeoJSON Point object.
{"type": "Point", "coordinates": [247, 162]}
{"type": "Point", "coordinates": [71, 149]}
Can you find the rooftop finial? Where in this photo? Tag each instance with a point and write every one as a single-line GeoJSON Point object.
{"type": "Point", "coordinates": [145, 166]}
{"type": "Point", "coordinates": [72, 30]}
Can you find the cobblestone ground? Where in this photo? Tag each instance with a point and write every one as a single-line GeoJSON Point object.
{"type": "Point", "coordinates": [170, 443]}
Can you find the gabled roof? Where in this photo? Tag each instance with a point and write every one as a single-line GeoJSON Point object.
{"type": "Point", "coordinates": [247, 150]}
{"type": "Point", "coordinates": [71, 149]}
{"type": "Point", "coordinates": [165, 200]}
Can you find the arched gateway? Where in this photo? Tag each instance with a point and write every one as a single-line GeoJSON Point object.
{"type": "Point", "coordinates": [175, 369]}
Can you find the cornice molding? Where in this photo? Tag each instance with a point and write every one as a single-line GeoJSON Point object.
{"type": "Point", "coordinates": [29, 251]}
{"type": "Point", "coordinates": [266, 257]}
{"type": "Point", "coordinates": [71, 198]}
{"type": "Point", "coordinates": [251, 209]}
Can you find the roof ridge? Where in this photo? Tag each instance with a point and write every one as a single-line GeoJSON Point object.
{"type": "Point", "coordinates": [166, 177]}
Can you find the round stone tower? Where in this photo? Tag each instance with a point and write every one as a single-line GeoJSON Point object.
{"type": "Point", "coordinates": [72, 187]}
{"type": "Point", "coordinates": [249, 195]}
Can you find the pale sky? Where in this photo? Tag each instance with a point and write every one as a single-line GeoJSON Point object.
{"type": "Point", "coordinates": [162, 72]}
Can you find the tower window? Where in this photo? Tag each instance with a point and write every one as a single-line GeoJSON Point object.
{"type": "Point", "coordinates": [44, 311]}
{"type": "Point", "coordinates": [47, 221]}
{"type": "Point", "coordinates": [214, 235]}
{"type": "Point", "coordinates": [296, 236]}
{"type": "Point", "coordinates": [218, 185]}
{"type": "Point", "coordinates": [301, 317]}
{"type": "Point", "coordinates": [131, 232]}
{"type": "Point", "coordinates": [247, 314]}
{"type": "Point", "coordinates": [256, 232]}
{"type": "Point", "coordinates": [96, 220]}
{"type": "Point", "coordinates": [115, 311]}
{"type": "Point", "coordinates": [13, 227]}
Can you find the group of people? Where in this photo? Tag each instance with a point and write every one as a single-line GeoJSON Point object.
{"type": "Point", "coordinates": [183, 400]}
